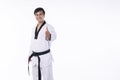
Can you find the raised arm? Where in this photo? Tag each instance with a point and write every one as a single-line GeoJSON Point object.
{"type": "Point", "coordinates": [50, 33]}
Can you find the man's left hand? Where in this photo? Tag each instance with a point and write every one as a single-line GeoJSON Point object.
{"type": "Point", "coordinates": [48, 35]}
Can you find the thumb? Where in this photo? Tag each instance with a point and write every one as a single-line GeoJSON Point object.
{"type": "Point", "coordinates": [46, 28]}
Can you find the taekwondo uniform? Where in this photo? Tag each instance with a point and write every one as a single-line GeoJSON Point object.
{"type": "Point", "coordinates": [41, 58]}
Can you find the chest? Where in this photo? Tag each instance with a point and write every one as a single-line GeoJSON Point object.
{"type": "Point", "coordinates": [39, 33]}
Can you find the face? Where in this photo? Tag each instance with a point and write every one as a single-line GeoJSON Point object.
{"type": "Point", "coordinates": [39, 16]}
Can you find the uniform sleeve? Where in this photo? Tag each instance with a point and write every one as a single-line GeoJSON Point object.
{"type": "Point", "coordinates": [52, 32]}
{"type": "Point", "coordinates": [31, 37]}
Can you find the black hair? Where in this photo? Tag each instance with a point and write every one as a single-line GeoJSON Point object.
{"type": "Point", "coordinates": [39, 9]}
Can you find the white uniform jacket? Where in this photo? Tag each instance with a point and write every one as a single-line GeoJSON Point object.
{"type": "Point", "coordinates": [41, 44]}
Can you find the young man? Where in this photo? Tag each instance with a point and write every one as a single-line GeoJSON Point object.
{"type": "Point", "coordinates": [40, 56]}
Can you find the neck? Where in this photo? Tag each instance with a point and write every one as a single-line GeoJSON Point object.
{"type": "Point", "coordinates": [40, 23]}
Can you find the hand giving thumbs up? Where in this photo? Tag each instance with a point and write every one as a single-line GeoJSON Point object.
{"type": "Point", "coordinates": [48, 35]}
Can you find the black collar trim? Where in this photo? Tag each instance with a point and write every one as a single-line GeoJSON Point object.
{"type": "Point", "coordinates": [36, 32]}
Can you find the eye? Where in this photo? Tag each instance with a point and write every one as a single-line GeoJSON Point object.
{"type": "Point", "coordinates": [36, 14]}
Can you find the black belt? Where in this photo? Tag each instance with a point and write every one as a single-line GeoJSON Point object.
{"type": "Point", "coordinates": [37, 55]}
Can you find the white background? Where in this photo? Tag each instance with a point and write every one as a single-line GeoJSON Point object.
{"type": "Point", "coordinates": [88, 38]}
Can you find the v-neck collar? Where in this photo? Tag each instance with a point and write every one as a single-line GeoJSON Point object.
{"type": "Point", "coordinates": [36, 32]}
